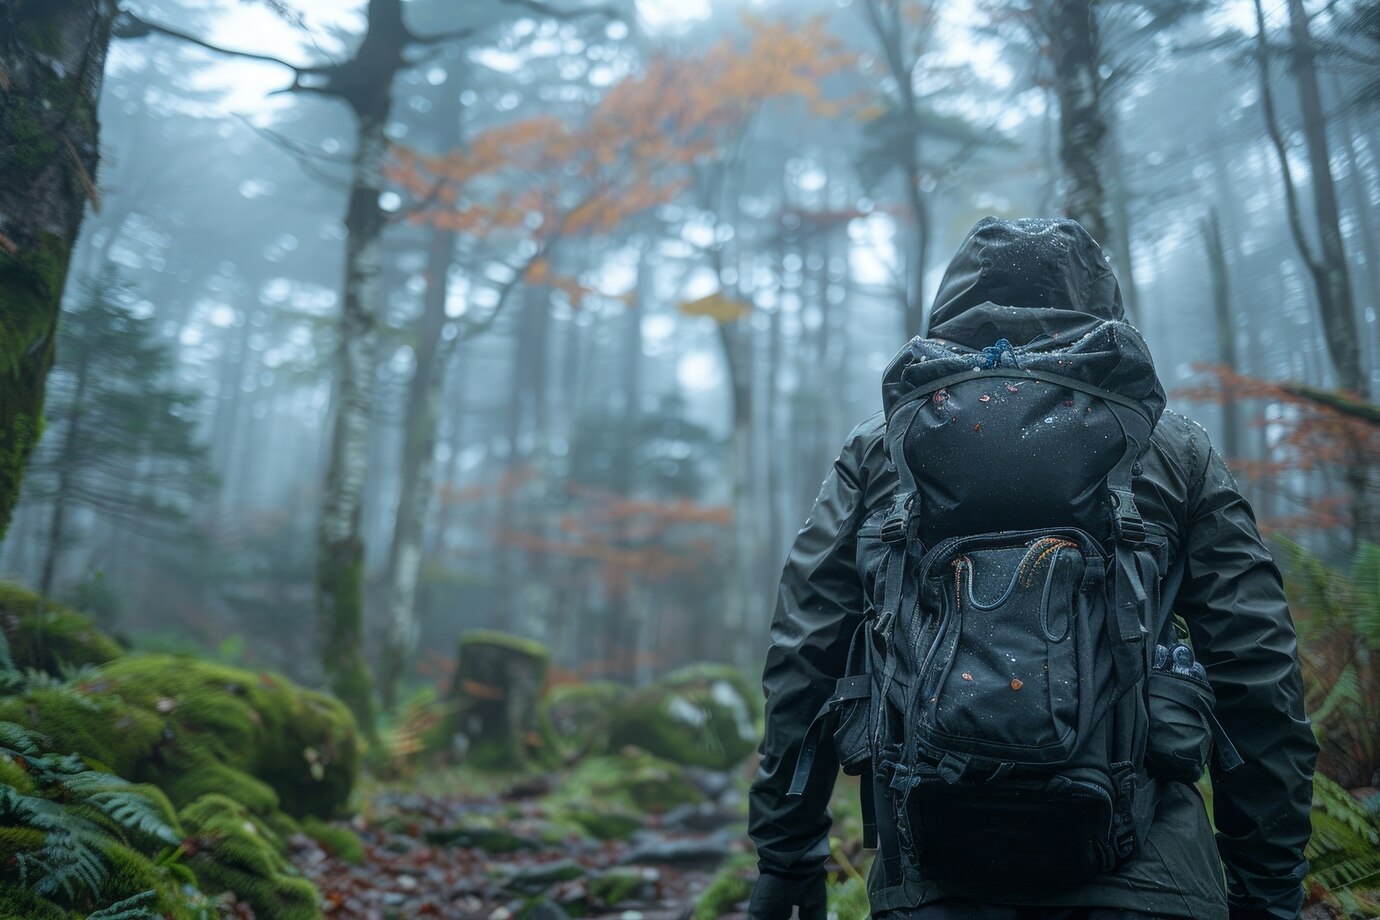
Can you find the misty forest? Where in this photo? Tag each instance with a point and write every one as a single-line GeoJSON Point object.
{"type": "Point", "coordinates": [406, 407]}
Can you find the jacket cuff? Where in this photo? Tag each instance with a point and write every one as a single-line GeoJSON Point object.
{"type": "Point", "coordinates": [1253, 895]}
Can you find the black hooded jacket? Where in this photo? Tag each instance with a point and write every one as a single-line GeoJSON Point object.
{"type": "Point", "coordinates": [1011, 279]}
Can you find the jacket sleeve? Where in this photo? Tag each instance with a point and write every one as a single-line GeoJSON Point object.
{"type": "Point", "coordinates": [819, 602]}
{"type": "Point", "coordinates": [1233, 601]}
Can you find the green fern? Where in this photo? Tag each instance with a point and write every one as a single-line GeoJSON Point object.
{"type": "Point", "coordinates": [142, 906]}
{"type": "Point", "coordinates": [1345, 848]}
{"type": "Point", "coordinates": [81, 813]}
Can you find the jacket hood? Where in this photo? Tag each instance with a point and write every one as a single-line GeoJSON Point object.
{"type": "Point", "coordinates": [1042, 263]}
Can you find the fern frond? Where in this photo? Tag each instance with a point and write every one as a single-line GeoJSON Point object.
{"type": "Point", "coordinates": [1344, 850]}
{"type": "Point", "coordinates": [15, 739]}
{"type": "Point", "coordinates": [135, 812]}
{"type": "Point", "coordinates": [139, 907]}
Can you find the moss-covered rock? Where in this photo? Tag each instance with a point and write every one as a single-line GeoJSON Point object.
{"type": "Point", "coordinates": [702, 715]}
{"type": "Point", "coordinates": [74, 839]}
{"type": "Point", "coordinates": [577, 717]}
{"type": "Point", "coordinates": [340, 842]}
{"type": "Point", "coordinates": [620, 885]}
{"type": "Point", "coordinates": [481, 834]}
{"type": "Point", "coordinates": [301, 743]}
{"type": "Point", "coordinates": [48, 637]}
{"type": "Point", "coordinates": [630, 780]}
{"type": "Point", "coordinates": [194, 727]}
{"type": "Point", "coordinates": [235, 851]}
{"type": "Point", "coordinates": [600, 821]}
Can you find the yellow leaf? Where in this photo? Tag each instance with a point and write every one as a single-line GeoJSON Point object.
{"type": "Point", "coordinates": [718, 306]}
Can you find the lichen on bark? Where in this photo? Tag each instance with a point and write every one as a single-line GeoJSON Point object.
{"type": "Point", "coordinates": [52, 55]}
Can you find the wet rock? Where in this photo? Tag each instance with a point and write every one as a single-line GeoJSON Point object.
{"type": "Point", "coordinates": [703, 716]}
{"type": "Point", "coordinates": [688, 853]}
{"type": "Point", "coordinates": [488, 839]}
{"type": "Point", "coordinates": [623, 885]}
{"type": "Point", "coordinates": [702, 818]}
{"type": "Point", "coordinates": [537, 877]}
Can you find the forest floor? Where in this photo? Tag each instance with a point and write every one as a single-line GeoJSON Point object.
{"type": "Point", "coordinates": [503, 854]}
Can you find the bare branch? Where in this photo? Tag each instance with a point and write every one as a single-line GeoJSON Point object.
{"type": "Point", "coordinates": [127, 25]}
{"type": "Point", "coordinates": [1336, 400]}
{"type": "Point", "coordinates": [454, 35]}
{"type": "Point", "coordinates": [1267, 101]}
{"type": "Point", "coordinates": [304, 157]}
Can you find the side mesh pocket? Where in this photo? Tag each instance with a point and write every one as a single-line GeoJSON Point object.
{"type": "Point", "coordinates": [1180, 739]}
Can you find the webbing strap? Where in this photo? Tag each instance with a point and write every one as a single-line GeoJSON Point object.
{"type": "Point", "coordinates": [869, 812]}
{"type": "Point", "coordinates": [1018, 373]}
{"type": "Point", "coordinates": [854, 687]}
{"type": "Point", "coordinates": [1131, 613]}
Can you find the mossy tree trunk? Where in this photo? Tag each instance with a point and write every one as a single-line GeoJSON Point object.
{"type": "Point", "coordinates": [498, 681]}
{"type": "Point", "coordinates": [340, 543]}
{"type": "Point", "coordinates": [52, 58]}
{"type": "Point", "coordinates": [1076, 55]}
{"type": "Point", "coordinates": [418, 466]}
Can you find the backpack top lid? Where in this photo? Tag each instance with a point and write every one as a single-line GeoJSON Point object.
{"type": "Point", "coordinates": [1033, 298]}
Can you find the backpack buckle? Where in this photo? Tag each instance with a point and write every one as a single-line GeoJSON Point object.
{"type": "Point", "coordinates": [894, 527]}
{"type": "Point", "coordinates": [1130, 526]}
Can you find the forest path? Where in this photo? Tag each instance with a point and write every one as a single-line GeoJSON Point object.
{"type": "Point", "coordinates": [501, 856]}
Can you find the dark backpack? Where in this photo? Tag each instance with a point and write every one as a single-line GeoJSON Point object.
{"type": "Point", "coordinates": [996, 691]}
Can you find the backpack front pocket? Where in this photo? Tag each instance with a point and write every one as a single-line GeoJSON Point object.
{"type": "Point", "coordinates": [1005, 676]}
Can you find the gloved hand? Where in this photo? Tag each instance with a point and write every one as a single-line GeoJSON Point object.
{"type": "Point", "coordinates": [774, 896]}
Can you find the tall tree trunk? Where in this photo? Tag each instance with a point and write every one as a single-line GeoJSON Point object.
{"type": "Point", "coordinates": [340, 543]}
{"type": "Point", "coordinates": [1327, 265]}
{"type": "Point", "coordinates": [1226, 331]}
{"type": "Point", "coordinates": [1082, 123]}
{"type": "Point", "coordinates": [57, 521]}
{"type": "Point", "coordinates": [1123, 231]}
{"type": "Point", "coordinates": [417, 472]}
{"type": "Point", "coordinates": [52, 59]}
{"type": "Point", "coordinates": [888, 25]}
{"type": "Point", "coordinates": [1330, 273]}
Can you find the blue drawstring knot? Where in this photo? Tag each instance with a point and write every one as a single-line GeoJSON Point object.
{"type": "Point", "coordinates": [999, 355]}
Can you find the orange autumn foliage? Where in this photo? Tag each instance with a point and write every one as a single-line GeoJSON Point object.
{"type": "Point", "coordinates": [539, 179]}
{"type": "Point", "coordinates": [1307, 437]}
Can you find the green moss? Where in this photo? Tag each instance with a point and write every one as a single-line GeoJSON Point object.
{"type": "Point", "coordinates": [214, 777]}
{"type": "Point", "coordinates": [527, 647]}
{"type": "Point", "coordinates": [601, 822]}
{"type": "Point", "coordinates": [702, 715]}
{"type": "Point", "coordinates": [88, 723]}
{"type": "Point", "coordinates": [14, 775]}
{"type": "Point", "coordinates": [480, 836]}
{"type": "Point", "coordinates": [17, 902]}
{"type": "Point", "coordinates": [299, 743]}
{"type": "Point", "coordinates": [49, 637]}
{"type": "Point", "coordinates": [629, 780]}
{"type": "Point", "coordinates": [31, 286]}
{"type": "Point", "coordinates": [849, 901]}
{"type": "Point", "coordinates": [729, 888]}
{"type": "Point", "coordinates": [20, 839]}
{"type": "Point", "coordinates": [234, 851]}
{"type": "Point", "coordinates": [576, 717]}
{"type": "Point", "coordinates": [340, 587]}
{"type": "Point", "coordinates": [341, 842]}
{"type": "Point", "coordinates": [615, 886]}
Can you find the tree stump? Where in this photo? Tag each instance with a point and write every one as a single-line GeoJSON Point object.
{"type": "Point", "coordinates": [498, 683]}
